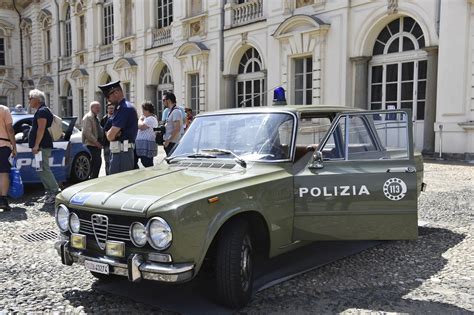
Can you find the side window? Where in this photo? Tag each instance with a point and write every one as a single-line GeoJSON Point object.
{"type": "Point", "coordinates": [368, 137]}
{"type": "Point", "coordinates": [392, 131]}
{"type": "Point", "coordinates": [311, 132]}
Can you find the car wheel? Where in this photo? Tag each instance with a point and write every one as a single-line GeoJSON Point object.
{"type": "Point", "coordinates": [81, 168]}
{"type": "Point", "coordinates": [234, 265]}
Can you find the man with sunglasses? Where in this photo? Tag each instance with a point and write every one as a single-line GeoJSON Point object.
{"type": "Point", "coordinates": [174, 123]}
{"type": "Point", "coordinates": [121, 129]}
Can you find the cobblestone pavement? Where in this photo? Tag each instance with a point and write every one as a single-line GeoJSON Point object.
{"type": "Point", "coordinates": [434, 274]}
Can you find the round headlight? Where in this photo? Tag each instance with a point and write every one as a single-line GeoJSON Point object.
{"type": "Point", "coordinates": [138, 234]}
{"type": "Point", "coordinates": [159, 233]}
{"type": "Point", "coordinates": [62, 217]}
{"type": "Point", "coordinates": [74, 223]}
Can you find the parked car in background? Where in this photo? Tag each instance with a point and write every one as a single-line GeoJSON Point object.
{"type": "Point", "coordinates": [70, 159]}
{"type": "Point", "coordinates": [245, 185]}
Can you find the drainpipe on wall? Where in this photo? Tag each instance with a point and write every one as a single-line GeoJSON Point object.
{"type": "Point", "coordinates": [223, 87]}
{"type": "Point", "coordinates": [438, 17]}
{"type": "Point", "coordinates": [221, 36]}
{"type": "Point", "coordinates": [59, 54]}
{"type": "Point", "coordinates": [21, 56]}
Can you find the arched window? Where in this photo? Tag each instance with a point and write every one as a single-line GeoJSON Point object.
{"type": "Point", "coordinates": [165, 84]}
{"type": "Point", "coordinates": [399, 82]}
{"type": "Point", "coordinates": [250, 90]}
{"type": "Point", "coordinates": [403, 34]}
{"type": "Point", "coordinates": [67, 33]}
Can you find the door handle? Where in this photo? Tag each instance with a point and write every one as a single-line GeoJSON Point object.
{"type": "Point", "coordinates": [408, 169]}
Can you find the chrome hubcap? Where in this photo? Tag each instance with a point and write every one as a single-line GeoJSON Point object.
{"type": "Point", "coordinates": [81, 168]}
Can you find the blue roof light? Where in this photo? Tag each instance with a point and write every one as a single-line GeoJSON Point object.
{"type": "Point", "coordinates": [279, 96]}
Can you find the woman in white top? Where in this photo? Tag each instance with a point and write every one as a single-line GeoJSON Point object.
{"type": "Point", "coordinates": [145, 145]}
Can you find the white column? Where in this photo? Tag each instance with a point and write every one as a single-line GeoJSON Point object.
{"type": "Point", "coordinates": [100, 23]}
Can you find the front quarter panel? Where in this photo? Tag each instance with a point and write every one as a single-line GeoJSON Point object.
{"type": "Point", "coordinates": [195, 224]}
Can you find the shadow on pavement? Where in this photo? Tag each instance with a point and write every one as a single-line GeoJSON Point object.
{"type": "Point", "coordinates": [377, 279]}
{"type": "Point", "coordinates": [15, 214]}
{"type": "Point", "coordinates": [377, 285]}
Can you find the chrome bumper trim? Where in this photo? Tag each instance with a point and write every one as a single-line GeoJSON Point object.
{"type": "Point", "coordinates": [136, 269]}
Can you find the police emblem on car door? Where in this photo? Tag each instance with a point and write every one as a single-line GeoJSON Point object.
{"type": "Point", "coordinates": [361, 182]}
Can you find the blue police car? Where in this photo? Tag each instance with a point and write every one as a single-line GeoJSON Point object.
{"type": "Point", "coordinates": [70, 159]}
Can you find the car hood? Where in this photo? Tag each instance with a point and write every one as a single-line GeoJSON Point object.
{"type": "Point", "coordinates": [137, 190]}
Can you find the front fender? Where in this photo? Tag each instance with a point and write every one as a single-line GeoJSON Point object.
{"type": "Point", "coordinates": [196, 225]}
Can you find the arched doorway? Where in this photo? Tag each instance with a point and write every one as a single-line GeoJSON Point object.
{"type": "Point", "coordinates": [165, 84]}
{"type": "Point", "coordinates": [398, 72]}
{"type": "Point", "coordinates": [250, 83]}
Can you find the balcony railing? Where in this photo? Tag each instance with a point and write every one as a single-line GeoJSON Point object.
{"type": "Point", "coordinates": [247, 12]}
{"type": "Point", "coordinates": [161, 36]}
{"type": "Point", "coordinates": [106, 52]}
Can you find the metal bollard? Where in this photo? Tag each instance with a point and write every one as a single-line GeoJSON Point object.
{"type": "Point", "coordinates": [440, 141]}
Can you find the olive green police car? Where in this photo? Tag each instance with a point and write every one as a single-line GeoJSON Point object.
{"type": "Point", "coordinates": [245, 185]}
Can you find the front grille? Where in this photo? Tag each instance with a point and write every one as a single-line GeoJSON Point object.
{"type": "Point", "coordinates": [100, 226]}
{"type": "Point", "coordinates": [114, 232]}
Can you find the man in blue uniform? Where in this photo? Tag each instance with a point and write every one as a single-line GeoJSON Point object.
{"type": "Point", "coordinates": [121, 129]}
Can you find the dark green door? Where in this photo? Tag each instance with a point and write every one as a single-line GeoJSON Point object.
{"type": "Point", "coordinates": [365, 187]}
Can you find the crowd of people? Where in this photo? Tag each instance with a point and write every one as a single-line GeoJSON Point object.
{"type": "Point", "coordinates": [123, 137]}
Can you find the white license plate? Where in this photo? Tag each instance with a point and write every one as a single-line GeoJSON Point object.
{"type": "Point", "coordinates": [96, 267]}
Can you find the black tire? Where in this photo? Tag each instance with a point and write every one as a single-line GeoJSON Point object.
{"type": "Point", "coordinates": [234, 265]}
{"type": "Point", "coordinates": [81, 168]}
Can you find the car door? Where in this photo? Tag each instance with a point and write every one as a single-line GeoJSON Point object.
{"type": "Point", "coordinates": [362, 184]}
{"type": "Point", "coordinates": [25, 158]}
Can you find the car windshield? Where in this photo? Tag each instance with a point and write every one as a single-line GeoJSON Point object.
{"type": "Point", "coordinates": [250, 136]}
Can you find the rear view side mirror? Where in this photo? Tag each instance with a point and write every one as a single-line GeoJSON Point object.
{"type": "Point", "coordinates": [317, 160]}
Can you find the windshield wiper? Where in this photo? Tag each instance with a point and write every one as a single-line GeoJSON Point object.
{"type": "Point", "coordinates": [238, 159]}
{"type": "Point", "coordinates": [190, 155]}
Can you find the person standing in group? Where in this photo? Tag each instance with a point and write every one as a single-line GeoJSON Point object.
{"type": "Point", "coordinates": [7, 148]}
{"type": "Point", "coordinates": [174, 123]}
{"type": "Point", "coordinates": [41, 143]}
{"type": "Point", "coordinates": [92, 137]}
{"type": "Point", "coordinates": [121, 129]}
{"type": "Point", "coordinates": [106, 143]}
{"type": "Point", "coordinates": [189, 117]}
{"type": "Point", "coordinates": [145, 144]}
{"type": "Point", "coordinates": [166, 111]}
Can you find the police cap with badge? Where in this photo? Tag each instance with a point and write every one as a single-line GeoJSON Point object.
{"type": "Point", "coordinates": [108, 88]}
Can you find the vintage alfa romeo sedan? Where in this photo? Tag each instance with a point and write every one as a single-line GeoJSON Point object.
{"type": "Point", "coordinates": [246, 185]}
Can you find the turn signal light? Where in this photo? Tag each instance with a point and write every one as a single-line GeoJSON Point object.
{"type": "Point", "coordinates": [114, 248]}
{"type": "Point", "coordinates": [78, 241]}
{"type": "Point", "coordinates": [213, 199]}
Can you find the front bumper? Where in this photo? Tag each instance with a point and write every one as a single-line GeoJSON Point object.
{"type": "Point", "coordinates": [135, 269]}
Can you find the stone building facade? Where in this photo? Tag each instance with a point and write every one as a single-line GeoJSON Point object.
{"type": "Point", "coordinates": [215, 54]}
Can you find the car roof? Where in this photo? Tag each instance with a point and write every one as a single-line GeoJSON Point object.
{"type": "Point", "coordinates": [16, 116]}
{"type": "Point", "coordinates": [298, 109]}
